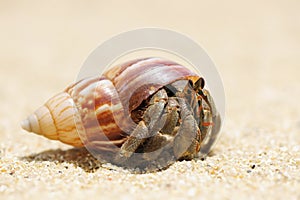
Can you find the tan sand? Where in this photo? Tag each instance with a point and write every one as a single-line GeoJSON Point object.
{"type": "Point", "coordinates": [256, 47]}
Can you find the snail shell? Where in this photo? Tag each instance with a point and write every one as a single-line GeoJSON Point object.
{"type": "Point", "coordinates": [96, 110]}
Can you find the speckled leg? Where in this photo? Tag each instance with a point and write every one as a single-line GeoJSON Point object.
{"type": "Point", "coordinates": [151, 124]}
{"type": "Point", "coordinates": [137, 137]}
{"type": "Point", "coordinates": [155, 145]}
{"type": "Point", "coordinates": [171, 115]}
{"type": "Point", "coordinates": [211, 124]}
{"type": "Point", "coordinates": [186, 143]}
{"type": "Point", "coordinates": [153, 116]}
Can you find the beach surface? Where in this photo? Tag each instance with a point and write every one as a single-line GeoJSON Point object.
{"type": "Point", "coordinates": [255, 46]}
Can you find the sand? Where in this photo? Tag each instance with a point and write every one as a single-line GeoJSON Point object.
{"type": "Point", "coordinates": [255, 46]}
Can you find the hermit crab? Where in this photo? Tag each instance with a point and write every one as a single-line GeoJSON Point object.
{"type": "Point", "coordinates": [146, 113]}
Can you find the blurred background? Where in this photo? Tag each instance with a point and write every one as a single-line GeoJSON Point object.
{"type": "Point", "coordinates": [254, 44]}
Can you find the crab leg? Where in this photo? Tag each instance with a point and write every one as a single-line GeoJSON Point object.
{"type": "Point", "coordinates": [186, 143]}
{"type": "Point", "coordinates": [211, 119]}
{"type": "Point", "coordinates": [152, 122]}
{"type": "Point", "coordinates": [153, 116]}
{"type": "Point", "coordinates": [171, 115]}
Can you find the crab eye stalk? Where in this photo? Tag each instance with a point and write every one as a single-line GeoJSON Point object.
{"type": "Point", "coordinates": [199, 85]}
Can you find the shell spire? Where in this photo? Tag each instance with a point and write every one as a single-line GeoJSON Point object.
{"type": "Point", "coordinates": [55, 120]}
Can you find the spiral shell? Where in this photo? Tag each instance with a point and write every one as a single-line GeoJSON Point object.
{"type": "Point", "coordinates": [97, 110]}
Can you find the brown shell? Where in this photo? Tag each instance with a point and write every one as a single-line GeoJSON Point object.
{"type": "Point", "coordinates": [95, 110]}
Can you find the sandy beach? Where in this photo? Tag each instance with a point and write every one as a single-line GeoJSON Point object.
{"type": "Point", "coordinates": [255, 46]}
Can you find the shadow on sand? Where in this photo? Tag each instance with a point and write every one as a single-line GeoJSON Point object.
{"type": "Point", "coordinates": [79, 157]}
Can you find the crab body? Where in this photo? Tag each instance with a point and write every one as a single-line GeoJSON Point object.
{"type": "Point", "coordinates": [146, 112]}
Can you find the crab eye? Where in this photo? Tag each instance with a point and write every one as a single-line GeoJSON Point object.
{"type": "Point", "coordinates": [191, 83]}
{"type": "Point", "coordinates": [199, 84]}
